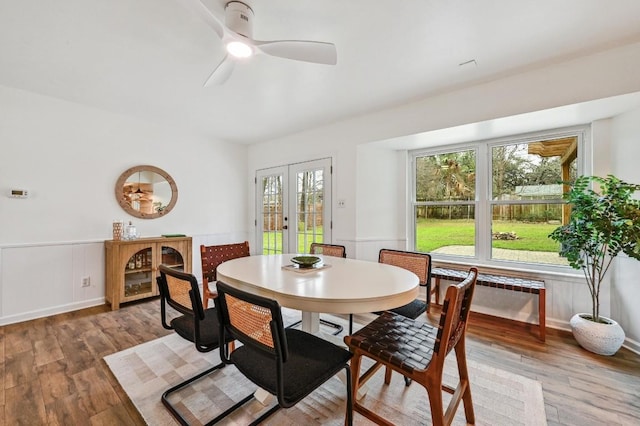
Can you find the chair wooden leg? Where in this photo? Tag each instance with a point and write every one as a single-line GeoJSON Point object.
{"type": "Point", "coordinates": [463, 373]}
{"type": "Point", "coordinates": [434, 393]}
{"type": "Point", "coordinates": [435, 289]}
{"type": "Point", "coordinates": [387, 377]}
{"type": "Point", "coordinates": [355, 375]}
{"type": "Point", "coordinates": [206, 295]}
{"type": "Point", "coordinates": [357, 381]}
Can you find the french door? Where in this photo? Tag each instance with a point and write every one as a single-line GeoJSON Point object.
{"type": "Point", "coordinates": [293, 207]}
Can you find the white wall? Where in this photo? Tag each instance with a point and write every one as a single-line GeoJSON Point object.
{"type": "Point", "coordinates": [380, 200]}
{"type": "Point", "coordinates": [69, 157]}
{"type": "Point", "coordinates": [625, 291]}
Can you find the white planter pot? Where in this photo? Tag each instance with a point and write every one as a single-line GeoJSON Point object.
{"type": "Point", "coordinates": [599, 338]}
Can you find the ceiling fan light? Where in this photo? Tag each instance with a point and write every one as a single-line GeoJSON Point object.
{"type": "Point", "coordinates": [239, 49]}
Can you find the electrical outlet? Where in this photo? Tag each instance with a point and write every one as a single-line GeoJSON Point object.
{"type": "Point", "coordinates": [86, 281]}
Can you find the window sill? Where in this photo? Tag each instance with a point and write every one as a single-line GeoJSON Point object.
{"type": "Point", "coordinates": [537, 271]}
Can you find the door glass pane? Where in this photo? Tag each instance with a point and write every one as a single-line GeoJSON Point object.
{"type": "Point", "coordinates": [296, 198]}
{"type": "Point", "coordinates": [272, 214]}
{"type": "Point", "coordinates": [309, 208]}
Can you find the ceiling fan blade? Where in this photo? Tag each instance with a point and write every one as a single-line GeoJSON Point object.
{"type": "Point", "coordinates": [221, 73]}
{"type": "Point", "coordinates": [205, 14]}
{"type": "Point", "coordinates": [308, 51]}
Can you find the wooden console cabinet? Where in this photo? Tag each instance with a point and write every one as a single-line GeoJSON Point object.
{"type": "Point", "coordinates": [132, 266]}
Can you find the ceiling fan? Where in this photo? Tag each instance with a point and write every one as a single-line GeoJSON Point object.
{"type": "Point", "coordinates": [237, 36]}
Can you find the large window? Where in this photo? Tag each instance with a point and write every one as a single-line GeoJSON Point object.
{"type": "Point", "coordinates": [495, 200]}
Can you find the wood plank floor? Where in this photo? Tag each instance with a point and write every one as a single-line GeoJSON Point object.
{"type": "Point", "coordinates": [53, 372]}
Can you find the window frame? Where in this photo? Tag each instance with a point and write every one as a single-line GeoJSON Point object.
{"type": "Point", "coordinates": [483, 195]}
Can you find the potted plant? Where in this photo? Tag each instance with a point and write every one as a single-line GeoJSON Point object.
{"type": "Point", "coordinates": [602, 224]}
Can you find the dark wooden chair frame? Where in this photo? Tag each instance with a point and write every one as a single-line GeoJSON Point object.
{"type": "Point", "coordinates": [383, 340]}
{"type": "Point", "coordinates": [211, 257]}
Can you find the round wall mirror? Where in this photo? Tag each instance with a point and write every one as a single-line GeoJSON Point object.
{"type": "Point", "coordinates": [146, 192]}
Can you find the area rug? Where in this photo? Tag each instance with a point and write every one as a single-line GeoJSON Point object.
{"type": "Point", "coordinates": [147, 370]}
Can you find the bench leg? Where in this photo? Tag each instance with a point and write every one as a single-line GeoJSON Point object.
{"type": "Point", "coordinates": [542, 307]}
{"type": "Point", "coordinates": [435, 289]}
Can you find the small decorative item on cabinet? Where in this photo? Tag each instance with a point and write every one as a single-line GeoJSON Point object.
{"type": "Point", "coordinates": [131, 266]}
{"type": "Point", "coordinates": [118, 229]}
{"type": "Point", "coordinates": [130, 232]}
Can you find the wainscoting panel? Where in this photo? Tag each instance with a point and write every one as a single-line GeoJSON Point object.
{"type": "Point", "coordinates": [43, 279]}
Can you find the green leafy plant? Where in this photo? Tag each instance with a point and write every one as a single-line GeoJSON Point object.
{"type": "Point", "coordinates": [601, 225]}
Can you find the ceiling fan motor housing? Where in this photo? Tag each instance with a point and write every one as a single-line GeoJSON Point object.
{"type": "Point", "coordinates": [238, 17]}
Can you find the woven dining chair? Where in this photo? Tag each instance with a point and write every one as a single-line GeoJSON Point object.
{"type": "Point", "coordinates": [419, 264]}
{"type": "Point", "coordinates": [418, 350]}
{"type": "Point", "coordinates": [335, 251]}
{"type": "Point", "coordinates": [285, 362]}
{"type": "Point", "coordinates": [179, 290]}
{"type": "Point", "coordinates": [211, 257]}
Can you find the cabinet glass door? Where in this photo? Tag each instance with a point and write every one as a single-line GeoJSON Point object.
{"type": "Point", "coordinates": [138, 276]}
{"type": "Point", "coordinates": [172, 258]}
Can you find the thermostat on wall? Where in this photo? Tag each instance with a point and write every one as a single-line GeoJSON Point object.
{"type": "Point", "coordinates": [18, 193]}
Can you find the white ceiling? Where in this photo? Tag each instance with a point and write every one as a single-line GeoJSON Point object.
{"type": "Point", "coordinates": [149, 58]}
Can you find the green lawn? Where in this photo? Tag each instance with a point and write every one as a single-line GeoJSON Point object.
{"type": "Point", "coordinates": [432, 234]}
{"type": "Point", "coordinates": [435, 233]}
{"type": "Point", "coordinates": [303, 246]}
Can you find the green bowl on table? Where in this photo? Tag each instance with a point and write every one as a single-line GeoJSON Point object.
{"type": "Point", "coordinates": [305, 261]}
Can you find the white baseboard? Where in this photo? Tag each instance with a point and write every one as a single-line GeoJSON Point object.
{"type": "Point", "coordinates": [558, 324]}
{"type": "Point", "coordinates": [632, 345]}
{"type": "Point", "coordinates": [54, 310]}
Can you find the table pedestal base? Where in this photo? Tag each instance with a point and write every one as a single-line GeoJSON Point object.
{"type": "Point", "coordinates": [310, 322]}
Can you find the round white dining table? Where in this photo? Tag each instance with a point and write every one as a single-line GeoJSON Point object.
{"type": "Point", "coordinates": [341, 286]}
